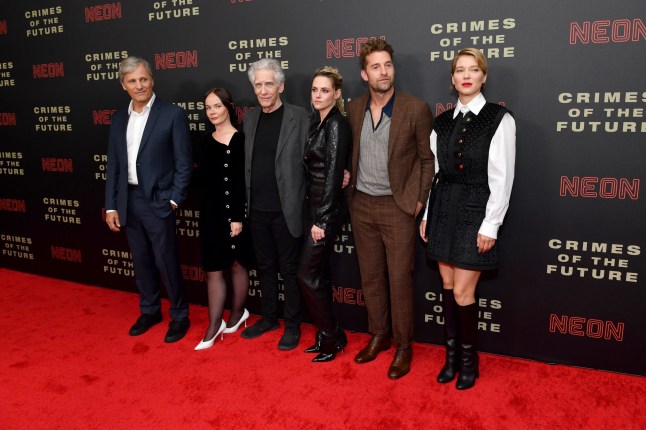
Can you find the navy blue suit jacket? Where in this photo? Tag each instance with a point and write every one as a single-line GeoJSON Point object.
{"type": "Point", "coordinates": [164, 160]}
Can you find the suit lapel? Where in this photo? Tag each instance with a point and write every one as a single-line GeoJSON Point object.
{"type": "Point", "coordinates": [357, 123]}
{"type": "Point", "coordinates": [286, 128]}
{"type": "Point", "coordinates": [395, 124]}
{"type": "Point", "coordinates": [123, 126]}
{"type": "Point", "coordinates": [150, 124]}
{"type": "Point", "coordinates": [252, 116]}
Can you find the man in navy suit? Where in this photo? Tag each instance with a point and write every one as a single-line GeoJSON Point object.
{"type": "Point", "coordinates": [148, 171]}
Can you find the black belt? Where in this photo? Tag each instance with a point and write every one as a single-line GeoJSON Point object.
{"type": "Point", "coordinates": [133, 186]}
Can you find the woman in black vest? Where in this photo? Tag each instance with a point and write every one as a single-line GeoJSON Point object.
{"type": "Point", "coordinates": [325, 157]}
{"type": "Point", "coordinates": [475, 147]}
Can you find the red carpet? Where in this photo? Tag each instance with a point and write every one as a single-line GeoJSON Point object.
{"type": "Point", "coordinates": [66, 361]}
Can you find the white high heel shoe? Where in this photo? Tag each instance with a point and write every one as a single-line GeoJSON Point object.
{"type": "Point", "coordinates": [243, 319]}
{"type": "Point", "coordinates": [209, 343]}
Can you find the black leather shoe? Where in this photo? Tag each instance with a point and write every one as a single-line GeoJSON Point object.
{"type": "Point", "coordinates": [144, 322]}
{"type": "Point", "coordinates": [316, 348]}
{"type": "Point", "coordinates": [177, 330]}
{"type": "Point", "coordinates": [261, 327]}
{"type": "Point", "coordinates": [290, 339]}
{"type": "Point", "coordinates": [330, 345]}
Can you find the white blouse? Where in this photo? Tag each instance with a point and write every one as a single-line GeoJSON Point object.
{"type": "Point", "coordinates": [500, 167]}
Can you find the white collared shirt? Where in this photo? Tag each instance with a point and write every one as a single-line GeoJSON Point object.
{"type": "Point", "coordinates": [134, 133]}
{"type": "Point", "coordinates": [500, 167]}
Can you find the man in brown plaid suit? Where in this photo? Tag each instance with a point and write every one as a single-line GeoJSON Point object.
{"type": "Point", "coordinates": [392, 167]}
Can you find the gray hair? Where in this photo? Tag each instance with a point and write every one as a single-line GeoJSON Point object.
{"type": "Point", "coordinates": [266, 64]}
{"type": "Point", "coordinates": [130, 64]}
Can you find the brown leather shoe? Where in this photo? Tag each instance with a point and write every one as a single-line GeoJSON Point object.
{"type": "Point", "coordinates": [401, 363]}
{"type": "Point", "coordinates": [377, 344]}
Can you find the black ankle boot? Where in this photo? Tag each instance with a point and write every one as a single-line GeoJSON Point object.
{"type": "Point", "coordinates": [330, 345]}
{"type": "Point", "coordinates": [316, 348]}
{"type": "Point", "coordinates": [469, 365]}
{"type": "Point", "coordinates": [452, 361]}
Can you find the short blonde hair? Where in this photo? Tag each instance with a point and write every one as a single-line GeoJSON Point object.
{"type": "Point", "coordinates": [474, 52]}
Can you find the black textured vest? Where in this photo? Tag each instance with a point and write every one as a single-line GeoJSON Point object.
{"type": "Point", "coordinates": [463, 143]}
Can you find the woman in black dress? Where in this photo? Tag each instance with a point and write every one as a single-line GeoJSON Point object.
{"type": "Point", "coordinates": [325, 156]}
{"type": "Point", "coordinates": [224, 237]}
{"type": "Point", "coordinates": [475, 147]}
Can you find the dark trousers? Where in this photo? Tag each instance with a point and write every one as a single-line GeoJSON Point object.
{"type": "Point", "coordinates": [314, 277]}
{"type": "Point", "coordinates": [384, 236]}
{"type": "Point", "coordinates": [153, 245]}
{"type": "Point", "coordinates": [276, 251]}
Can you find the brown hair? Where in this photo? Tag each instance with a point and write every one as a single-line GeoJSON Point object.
{"type": "Point", "coordinates": [227, 100]}
{"type": "Point", "coordinates": [373, 45]}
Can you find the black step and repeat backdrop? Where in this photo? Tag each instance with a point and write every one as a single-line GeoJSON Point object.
{"type": "Point", "coordinates": [570, 288]}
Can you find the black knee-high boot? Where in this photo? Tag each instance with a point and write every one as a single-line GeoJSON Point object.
{"type": "Point", "coordinates": [451, 363]}
{"type": "Point", "coordinates": [468, 320]}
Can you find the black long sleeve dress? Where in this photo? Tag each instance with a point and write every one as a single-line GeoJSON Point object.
{"type": "Point", "coordinates": [223, 200]}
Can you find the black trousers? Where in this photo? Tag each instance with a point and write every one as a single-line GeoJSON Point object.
{"type": "Point", "coordinates": [314, 274]}
{"type": "Point", "coordinates": [153, 245]}
{"type": "Point", "coordinates": [276, 251]}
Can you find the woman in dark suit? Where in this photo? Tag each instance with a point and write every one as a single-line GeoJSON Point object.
{"type": "Point", "coordinates": [224, 236]}
{"type": "Point", "coordinates": [475, 147]}
{"type": "Point", "coordinates": [326, 153]}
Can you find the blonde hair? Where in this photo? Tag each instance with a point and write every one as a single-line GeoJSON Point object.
{"type": "Point", "coordinates": [480, 59]}
{"type": "Point", "coordinates": [474, 52]}
{"type": "Point", "coordinates": [337, 81]}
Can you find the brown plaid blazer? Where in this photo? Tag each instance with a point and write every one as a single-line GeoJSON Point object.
{"type": "Point", "coordinates": [410, 160]}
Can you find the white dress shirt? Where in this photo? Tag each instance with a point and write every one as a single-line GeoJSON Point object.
{"type": "Point", "coordinates": [134, 133]}
{"type": "Point", "coordinates": [500, 167]}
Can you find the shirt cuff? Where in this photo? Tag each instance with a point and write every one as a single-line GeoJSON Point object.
{"type": "Point", "coordinates": [489, 230]}
{"type": "Point", "coordinates": [110, 210]}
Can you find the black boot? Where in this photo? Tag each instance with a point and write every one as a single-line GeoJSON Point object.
{"type": "Point", "coordinates": [316, 348]}
{"type": "Point", "coordinates": [452, 361]}
{"type": "Point", "coordinates": [330, 345]}
{"type": "Point", "coordinates": [468, 316]}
